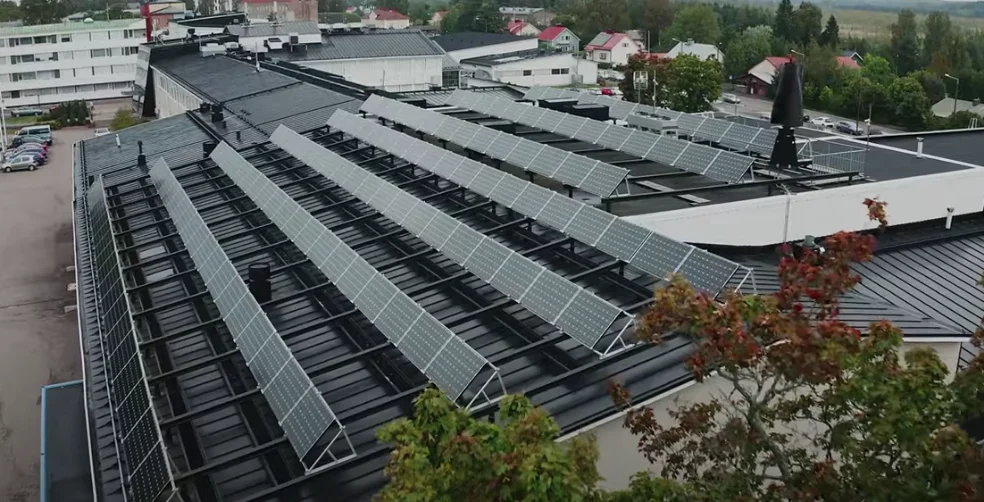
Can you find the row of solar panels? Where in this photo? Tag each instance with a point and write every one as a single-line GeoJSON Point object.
{"type": "Point", "coordinates": [573, 170]}
{"type": "Point", "coordinates": [716, 164]}
{"type": "Point", "coordinates": [430, 346]}
{"type": "Point", "coordinates": [645, 250]}
{"type": "Point", "coordinates": [135, 419]}
{"type": "Point", "coordinates": [300, 408]}
{"type": "Point", "coordinates": [724, 132]}
{"type": "Point", "coordinates": [550, 93]}
{"type": "Point", "coordinates": [574, 310]}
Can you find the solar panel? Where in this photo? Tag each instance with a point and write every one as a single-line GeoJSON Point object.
{"type": "Point", "coordinates": [660, 256]}
{"type": "Point", "coordinates": [489, 264]}
{"type": "Point", "coordinates": [592, 130]}
{"type": "Point", "coordinates": [586, 319]}
{"type": "Point", "coordinates": [666, 152]}
{"type": "Point", "coordinates": [485, 181]}
{"type": "Point", "coordinates": [362, 284]}
{"type": "Point", "coordinates": [134, 417]}
{"type": "Point", "coordinates": [233, 299]}
{"type": "Point", "coordinates": [714, 129]}
{"type": "Point", "coordinates": [615, 137]}
{"type": "Point", "coordinates": [305, 420]}
{"type": "Point", "coordinates": [729, 167]}
{"type": "Point", "coordinates": [574, 171]}
{"type": "Point", "coordinates": [589, 225]}
{"type": "Point", "coordinates": [549, 161]}
{"type": "Point", "coordinates": [707, 272]}
{"type": "Point", "coordinates": [697, 158]}
{"type": "Point", "coordinates": [739, 137]}
{"type": "Point", "coordinates": [569, 125]}
{"type": "Point", "coordinates": [764, 142]}
{"type": "Point", "coordinates": [639, 144]}
{"type": "Point", "coordinates": [519, 152]}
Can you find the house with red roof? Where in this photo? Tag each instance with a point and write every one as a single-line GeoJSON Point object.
{"type": "Point", "coordinates": [612, 48]}
{"type": "Point", "coordinates": [761, 76]}
{"type": "Point", "coordinates": [387, 19]}
{"type": "Point", "coordinates": [559, 38]}
{"type": "Point", "coordinates": [522, 28]}
{"type": "Point", "coordinates": [847, 62]}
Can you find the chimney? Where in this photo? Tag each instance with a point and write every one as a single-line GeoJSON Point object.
{"type": "Point", "coordinates": [141, 158]}
{"type": "Point", "coordinates": [919, 148]}
{"type": "Point", "coordinates": [207, 148]}
{"type": "Point", "coordinates": [217, 114]}
{"type": "Point", "coordinates": [259, 282]}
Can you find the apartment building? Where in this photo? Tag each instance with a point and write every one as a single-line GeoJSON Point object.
{"type": "Point", "coordinates": [52, 63]}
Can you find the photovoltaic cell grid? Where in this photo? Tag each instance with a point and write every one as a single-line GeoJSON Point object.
{"type": "Point", "coordinates": [134, 417]}
{"type": "Point", "coordinates": [589, 225]}
{"type": "Point", "coordinates": [546, 296]}
{"type": "Point", "coordinates": [699, 159]}
{"type": "Point", "coordinates": [422, 339]}
{"type": "Point", "coordinates": [601, 179]}
{"type": "Point", "coordinates": [549, 93]}
{"type": "Point", "coordinates": [280, 377]}
{"type": "Point", "coordinates": [727, 133]}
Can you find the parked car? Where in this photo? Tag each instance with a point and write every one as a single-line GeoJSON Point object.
{"type": "Point", "coordinates": [28, 147]}
{"type": "Point", "coordinates": [823, 122]}
{"type": "Point", "coordinates": [20, 162]}
{"type": "Point", "coordinates": [27, 112]}
{"type": "Point", "coordinates": [849, 128]}
{"type": "Point", "coordinates": [102, 131]}
{"type": "Point", "coordinates": [730, 98]}
{"type": "Point", "coordinates": [20, 140]}
{"type": "Point", "coordinates": [40, 131]}
{"type": "Point", "coordinates": [38, 156]}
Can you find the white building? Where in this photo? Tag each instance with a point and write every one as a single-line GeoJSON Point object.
{"type": "Point", "coordinates": [533, 68]}
{"type": "Point", "coordinates": [394, 60]}
{"type": "Point", "coordinates": [273, 36]}
{"type": "Point", "coordinates": [52, 63]}
{"type": "Point", "coordinates": [612, 48]}
{"type": "Point", "coordinates": [702, 51]}
{"type": "Point", "coordinates": [468, 45]}
{"type": "Point", "coordinates": [387, 19]}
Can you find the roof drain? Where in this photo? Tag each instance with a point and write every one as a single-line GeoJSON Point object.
{"type": "Point", "coordinates": [259, 282]}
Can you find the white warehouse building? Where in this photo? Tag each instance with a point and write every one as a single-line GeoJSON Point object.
{"type": "Point", "coordinates": [53, 63]}
{"type": "Point", "coordinates": [532, 68]}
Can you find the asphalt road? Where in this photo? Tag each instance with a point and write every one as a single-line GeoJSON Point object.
{"type": "Point", "coordinates": [39, 341]}
{"type": "Point", "coordinates": [752, 106]}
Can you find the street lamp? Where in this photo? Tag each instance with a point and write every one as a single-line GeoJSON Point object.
{"type": "Point", "coordinates": [956, 92]}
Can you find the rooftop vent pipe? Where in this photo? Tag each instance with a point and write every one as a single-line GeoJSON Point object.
{"type": "Point", "coordinates": [141, 158]}
{"type": "Point", "coordinates": [919, 148]}
{"type": "Point", "coordinates": [949, 217]}
{"type": "Point", "coordinates": [207, 148]}
{"type": "Point", "coordinates": [259, 282]}
{"type": "Point", "coordinates": [216, 114]}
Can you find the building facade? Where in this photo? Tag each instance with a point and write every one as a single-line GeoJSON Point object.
{"type": "Point", "coordinates": [533, 69]}
{"type": "Point", "coordinates": [468, 45]}
{"type": "Point", "coordinates": [559, 38]}
{"type": "Point", "coordinates": [53, 63]}
{"type": "Point", "coordinates": [387, 19]}
{"type": "Point", "coordinates": [286, 10]}
{"type": "Point", "coordinates": [611, 48]}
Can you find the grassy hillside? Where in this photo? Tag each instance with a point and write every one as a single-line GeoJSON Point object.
{"type": "Point", "coordinates": [873, 24]}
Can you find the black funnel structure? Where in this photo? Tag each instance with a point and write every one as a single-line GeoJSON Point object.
{"type": "Point", "coordinates": [787, 111]}
{"type": "Point", "coordinates": [259, 282]}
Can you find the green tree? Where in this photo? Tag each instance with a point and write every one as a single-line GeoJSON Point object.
{"type": "Point", "coordinates": [808, 20]}
{"type": "Point", "coordinates": [657, 16]}
{"type": "Point", "coordinates": [808, 408]}
{"type": "Point", "coordinates": [692, 84]}
{"type": "Point", "coordinates": [932, 85]}
{"type": "Point", "coordinates": [747, 50]}
{"type": "Point", "coordinates": [123, 118]}
{"type": "Point", "coordinates": [938, 30]}
{"type": "Point", "coordinates": [785, 21]}
{"type": "Point", "coordinates": [591, 17]}
{"type": "Point", "coordinates": [656, 92]}
{"type": "Point", "coordinates": [695, 22]}
{"type": "Point", "coordinates": [878, 70]}
{"type": "Point", "coordinates": [9, 11]}
{"type": "Point", "coordinates": [831, 33]}
{"type": "Point", "coordinates": [40, 11]}
{"type": "Point", "coordinates": [906, 94]}
{"type": "Point", "coordinates": [473, 15]}
{"type": "Point", "coordinates": [420, 12]}
{"type": "Point", "coordinates": [446, 454]}
{"type": "Point", "coordinates": [334, 6]}
{"type": "Point", "coordinates": [905, 43]}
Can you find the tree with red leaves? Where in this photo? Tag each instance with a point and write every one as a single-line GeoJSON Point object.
{"type": "Point", "coordinates": [810, 408]}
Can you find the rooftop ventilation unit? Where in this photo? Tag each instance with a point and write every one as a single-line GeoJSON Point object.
{"type": "Point", "coordinates": [652, 124]}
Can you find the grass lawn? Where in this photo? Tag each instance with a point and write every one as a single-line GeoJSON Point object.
{"type": "Point", "coordinates": [20, 121]}
{"type": "Point", "coordinates": [876, 24]}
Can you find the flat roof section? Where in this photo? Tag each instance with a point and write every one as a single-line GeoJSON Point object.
{"type": "Point", "coordinates": [65, 470]}
{"type": "Point", "coordinates": [962, 144]}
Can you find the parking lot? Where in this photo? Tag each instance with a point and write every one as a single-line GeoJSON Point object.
{"type": "Point", "coordinates": [39, 340]}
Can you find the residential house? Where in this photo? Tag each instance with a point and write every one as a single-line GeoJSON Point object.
{"type": "Point", "coordinates": [522, 28]}
{"type": "Point", "coordinates": [285, 10]}
{"type": "Point", "coordinates": [638, 36]}
{"type": "Point", "coordinates": [386, 19]}
{"type": "Point", "coordinates": [853, 55]}
{"type": "Point", "coordinates": [612, 48]}
{"type": "Point", "coordinates": [847, 62]}
{"type": "Point", "coordinates": [533, 68]}
{"type": "Point", "coordinates": [534, 15]}
{"type": "Point", "coordinates": [762, 75]}
{"type": "Point", "coordinates": [702, 51]}
{"type": "Point", "coordinates": [559, 38]}
{"type": "Point", "coordinates": [944, 108]}
{"type": "Point", "coordinates": [468, 45]}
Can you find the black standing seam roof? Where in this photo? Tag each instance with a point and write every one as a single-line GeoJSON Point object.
{"type": "Point", "coordinates": [468, 40]}
{"type": "Point", "coordinates": [222, 440]}
{"type": "Point", "coordinates": [357, 45]}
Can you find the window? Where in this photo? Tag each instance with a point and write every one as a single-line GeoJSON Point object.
{"type": "Point", "coordinates": [102, 70]}
{"type": "Point", "coordinates": [67, 55]}
{"type": "Point", "coordinates": [83, 88]}
{"type": "Point", "coordinates": [99, 53]}
{"type": "Point", "coordinates": [129, 51]}
{"type": "Point", "coordinates": [566, 38]}
{"type": "Point", "coordinates": [101, 87]}
{"type": "Point", "coordinates": [83, 72]}
{"type": "Point", "coordinates": [626, 44]}
{"type": "Point", "coordinates": [99, 35]}
{"type": "Point", "coordinates": [130, 34]}
{"type": "Point", "coordinates": [603, 56]}
{"type": "Point", "coordinates": [48, 91]}
{"type": "Point", "coordinates": [3, 42]}
{"type": "Point", "coordinates": [121, 69]}
{"type": "Point", "coordinates": [49, 39]}
{"type": "Point", "coordinates": [560, 71]}
{"type": "Point", "coordinates": [29, 75]}
{"type": "Point", "coordinates": [42, 75]}
{"type": "Point", "coordinates": [527, 73]}
{"type": "Point", "coordinates": [14, 42]}
{"type": "Point", "coordinates": [66, 38]}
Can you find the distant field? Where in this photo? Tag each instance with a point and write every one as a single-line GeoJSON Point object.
{"type": "Point", "coordinates": [875, 24]}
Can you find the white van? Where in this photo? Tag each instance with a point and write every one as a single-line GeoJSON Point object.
{"type": "Point", "coordinates": [38, 131]}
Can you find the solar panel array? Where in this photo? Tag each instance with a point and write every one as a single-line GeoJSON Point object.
{"type": "Point", "coordinates": [590, 175]}
{"type": "Point", "coordinates": [135, 421]}
{"type": "Point", "coordinates": [576, 311]}
{"type": "Point", "coordinates": [300, 408]}
{"type": "Point", "coordinates": [550, 93]}
{"type": "Point", "coordinates": [730, 134]}
{"type": "Point", "coordinates": [434, 349]}
{"type": "Point", "coordinates": [643, 249]}
{"type": "Point", "coordinates": [699, 159]}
